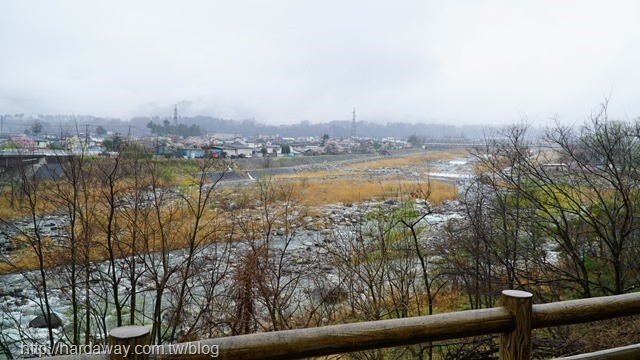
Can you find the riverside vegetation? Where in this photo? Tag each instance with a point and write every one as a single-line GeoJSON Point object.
{"type": "Point", "coordinates": [158, 243]}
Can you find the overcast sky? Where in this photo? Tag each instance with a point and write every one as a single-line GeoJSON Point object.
{"type": "Point", "coordinates": [283, 61]}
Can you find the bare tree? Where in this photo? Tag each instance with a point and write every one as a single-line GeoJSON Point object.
{"type": "Point", "coordinates": [268, 284]}
{"type": "Point", "coordinates": [203, 228]}
{"type": "Point", "coordinates": [29, 234]}
{"type": "Point", "coordinates": [159, 216]}
{"type": "Point", "coordinates": [572, 204]}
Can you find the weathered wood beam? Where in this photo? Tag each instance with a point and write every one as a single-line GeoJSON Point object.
{"type": "Point", "coordinates": [585, 310]}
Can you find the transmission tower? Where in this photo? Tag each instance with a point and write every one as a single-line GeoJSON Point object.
{"type": "Point", "coordinates": [353, 124]}
{"type": "Point", "coordinates": [175, 116]}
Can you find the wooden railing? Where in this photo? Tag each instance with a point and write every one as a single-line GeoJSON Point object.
{"type": "Point", "coordinates": [514, 320]}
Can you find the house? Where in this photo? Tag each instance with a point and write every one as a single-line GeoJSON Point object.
{"type": "Point", "coordinates": [221, 136]}
{"type": "Point", "coordinates": [238, 147]}
{"type": "Point", "coordinates": [217, 152]}
{"type": "Point", "coordinates": [40, 143]}
{"type": "Point", "coordinates": [189, 153]}
{"type": "Point", "coordinates": [272, 150]}
{"type": "Point", "coordinates": [240, 142]}
{"type": "Point", "coordinates": [345, 143]}
{"type": "Point", "coordinates": [161, 150]}
{"type": "Point", "coordinates": [311, 150]}
{"type": "Point", "coordinates": [230, 151]}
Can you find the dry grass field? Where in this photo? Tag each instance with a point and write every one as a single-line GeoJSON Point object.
{"type": "Point", "coordinates": [354, 182]}
{"type": "Point", "coordinates": [344, 184]}
{"type": "Point", "coordinates": [353, 190]}
{"type": "Point", "coordinates": [420, 159]}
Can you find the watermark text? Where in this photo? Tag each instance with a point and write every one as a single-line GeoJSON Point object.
{"type": "Point", "coordinates": [191, 348]}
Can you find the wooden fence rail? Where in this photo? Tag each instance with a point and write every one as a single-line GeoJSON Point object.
{"type": "Point", "coordinates": [514, 320]}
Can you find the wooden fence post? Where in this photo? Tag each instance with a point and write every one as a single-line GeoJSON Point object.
{"type": "Point", "coordinates": [128, 342]}
{"type": "Point", "coordinates": [516, 344]}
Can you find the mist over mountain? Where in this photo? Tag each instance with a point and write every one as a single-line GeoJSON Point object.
{"type": "Point", "coordinates": [137, 126]}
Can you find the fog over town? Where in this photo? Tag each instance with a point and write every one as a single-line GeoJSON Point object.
{"type": "Point", "coordinates": [285, 61]}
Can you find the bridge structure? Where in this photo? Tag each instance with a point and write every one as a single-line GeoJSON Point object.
{"type": "Point", "coordinates": [12, 161]}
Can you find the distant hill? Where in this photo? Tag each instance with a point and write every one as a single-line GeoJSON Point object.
{"type": "Point", "coordinates": [72, 124]}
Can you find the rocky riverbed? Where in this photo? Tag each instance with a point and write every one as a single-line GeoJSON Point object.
{"type": "Point", "coordinates": [304, 254]}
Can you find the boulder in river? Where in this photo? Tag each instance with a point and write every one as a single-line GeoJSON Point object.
{"type": "Point", "coordinates": [41, 322]}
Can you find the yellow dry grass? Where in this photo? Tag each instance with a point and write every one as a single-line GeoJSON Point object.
{"type": "Point", "coordinates": [14, 204]}
{"type": "Point", "coordinates": [412, 159]}
{"type": "Point", "coordinates": [321, 192]}
{"type": "Point", "coordinates": [353, 190]}
{"type": "Point", "coordinates": [324, 174]}
{"type": "Point", "coordinates": [350, 185]}
{"type": "Point", "coordinates": [175, 222]}
{"type": "Point", "coordinates": [8, 213]}
{"type": "Point", "coordinates": [310, 189]}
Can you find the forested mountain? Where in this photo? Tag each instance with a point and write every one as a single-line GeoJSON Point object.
{"type": "Point", "coordinates": [72, 124]}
